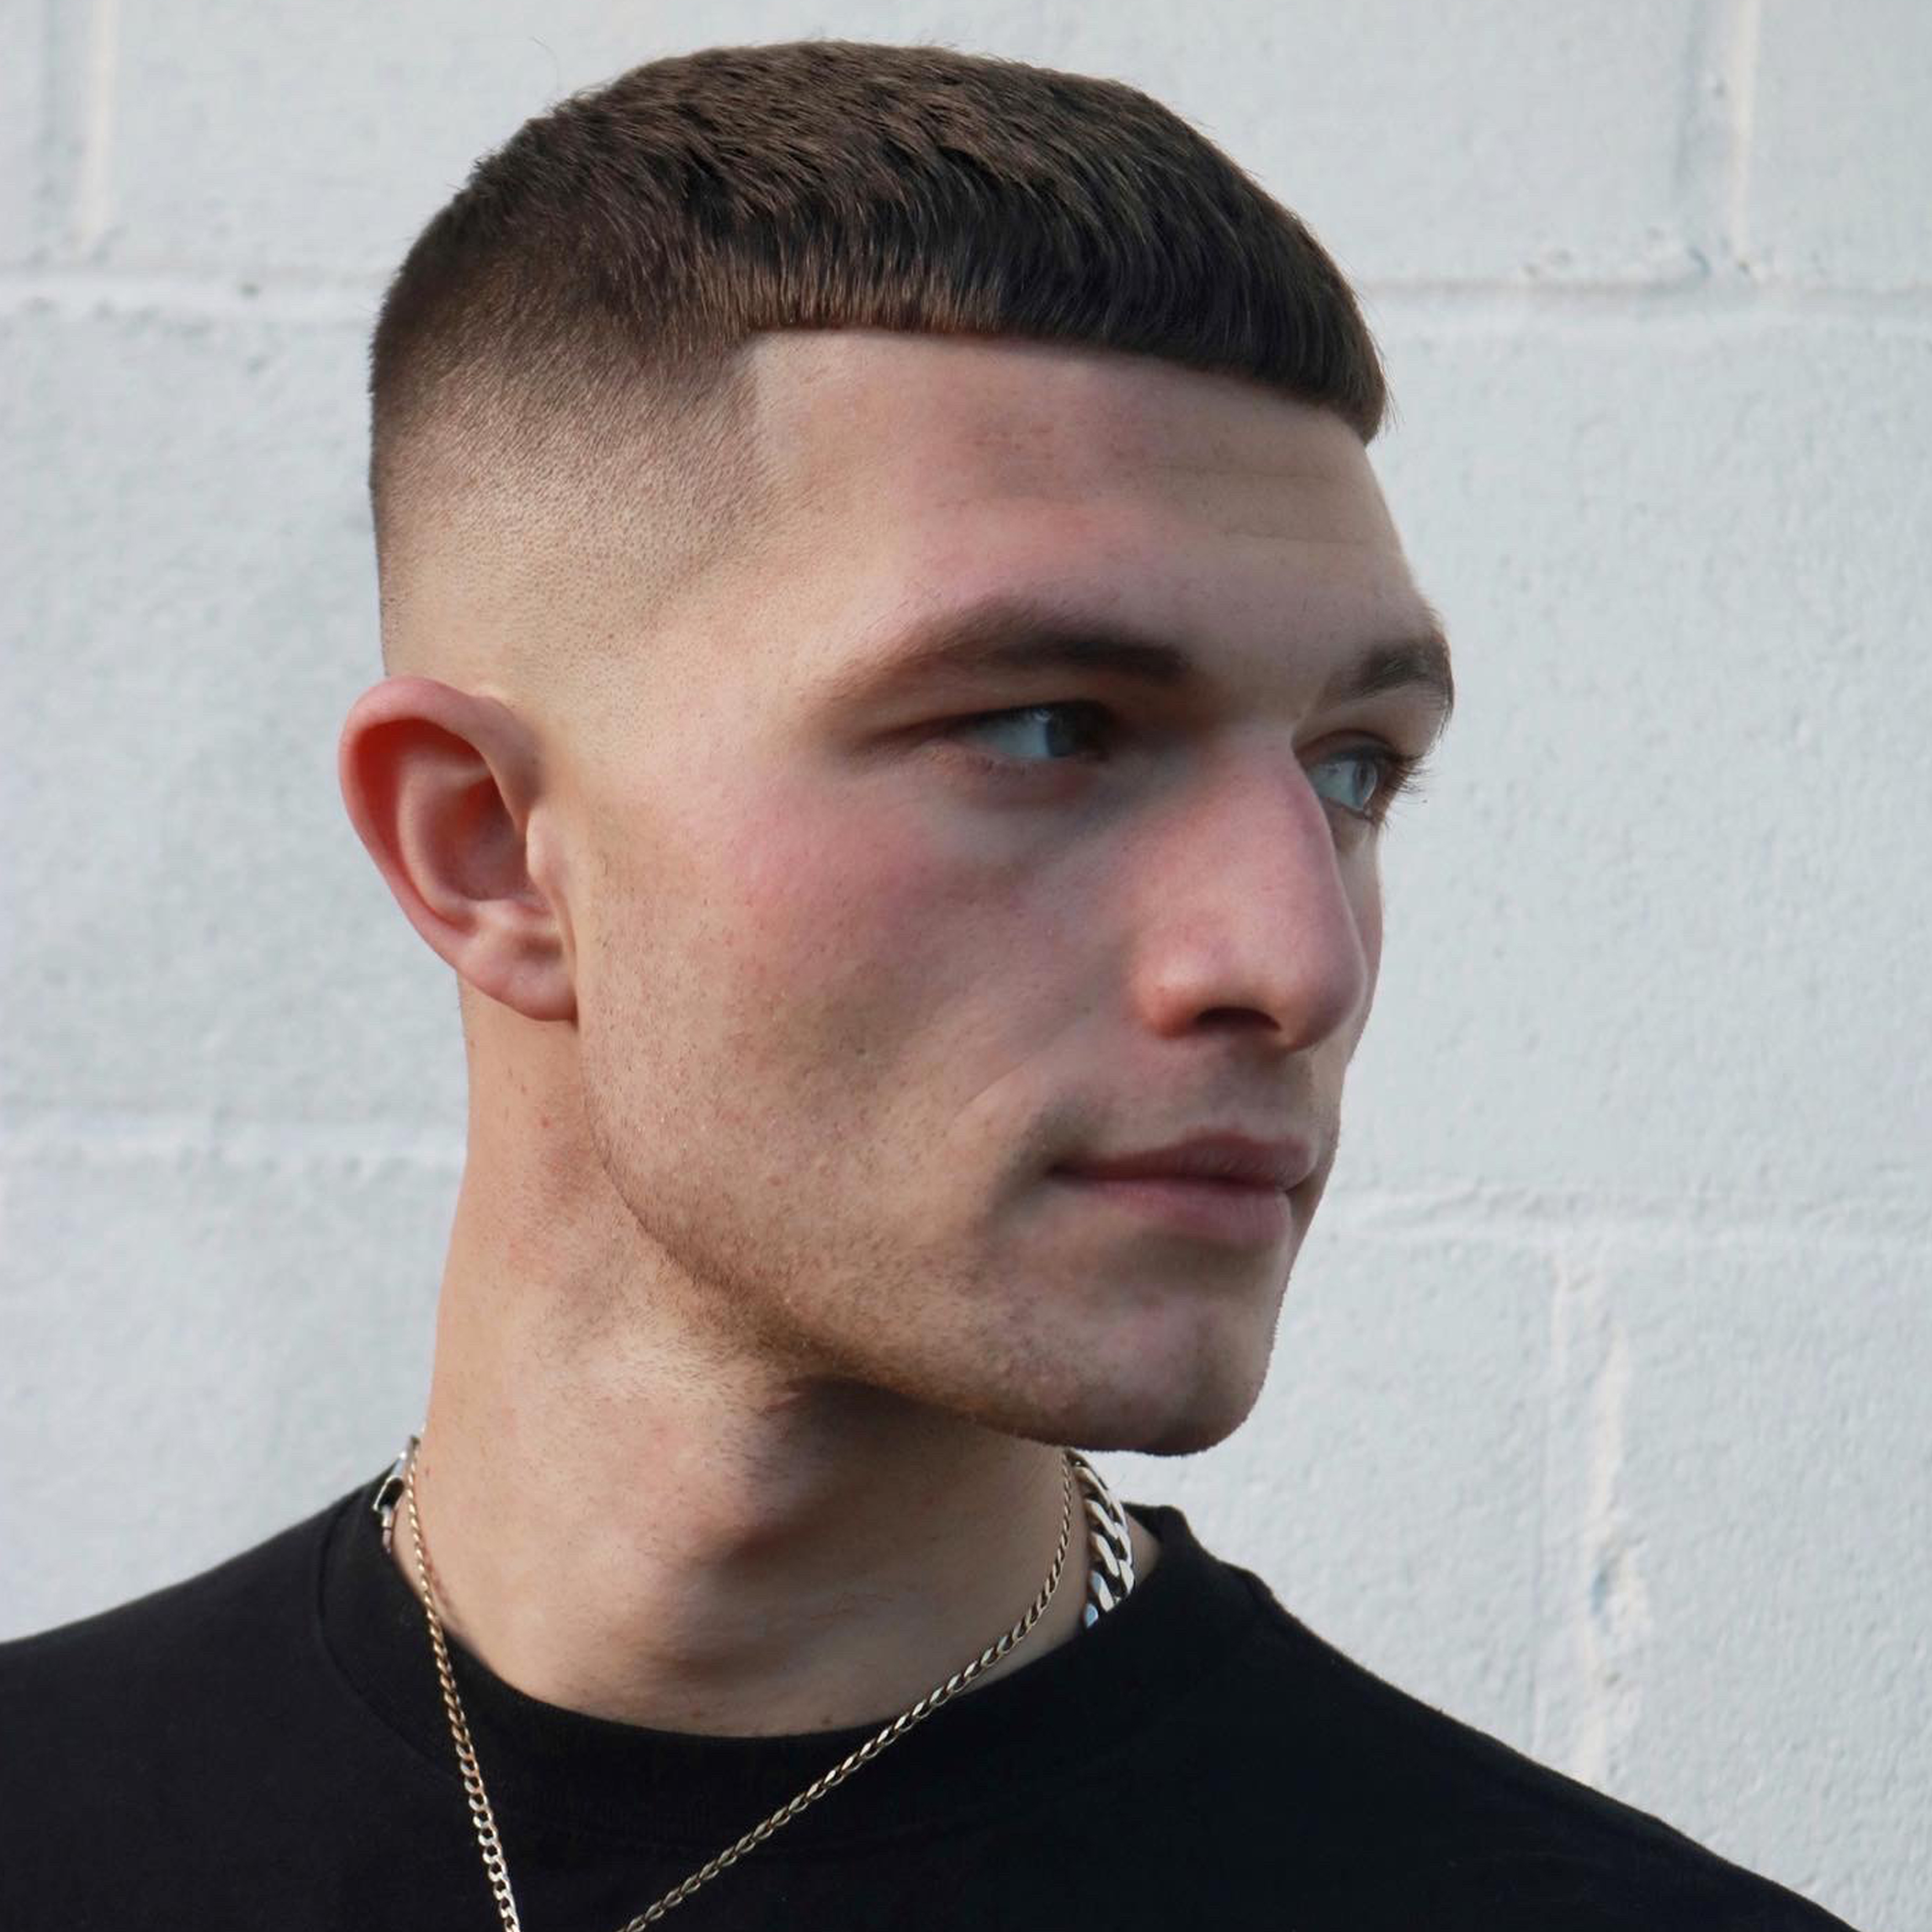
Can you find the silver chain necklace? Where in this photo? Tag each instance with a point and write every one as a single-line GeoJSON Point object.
{"type": "Point", "coordinates": [1110, 1576]}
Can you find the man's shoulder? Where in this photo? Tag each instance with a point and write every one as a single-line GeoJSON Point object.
{"type": "Point", "coordinates": [210, 1638]}
{"type": "Point", "coordinates": [144, 1740]}
{"type": "Point", "coordinates": [1416, 1817]}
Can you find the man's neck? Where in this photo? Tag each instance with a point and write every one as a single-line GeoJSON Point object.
{"type": "Point", "coordinates": [699, 1545]}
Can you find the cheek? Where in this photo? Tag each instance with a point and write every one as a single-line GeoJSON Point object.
{"type": "Point", "coordinates": [1368, 929]}
{"type": "Point", "coordinates": [865, 942]}
{"type": "Point", "coordinates": [1370, 926]}
{"type": "Point", "coordinates": [826, 900]}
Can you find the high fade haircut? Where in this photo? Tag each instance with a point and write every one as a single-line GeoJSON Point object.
{"type": "Point", "coordinates": [555, 389]}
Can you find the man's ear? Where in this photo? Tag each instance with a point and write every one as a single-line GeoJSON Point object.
{"type": "Point", "coordinates": [441, 785]}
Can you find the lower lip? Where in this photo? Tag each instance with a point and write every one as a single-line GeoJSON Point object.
{"type": "Point", "coordinates": [1217, 1211]}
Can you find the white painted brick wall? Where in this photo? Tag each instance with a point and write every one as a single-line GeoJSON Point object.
{"type": "Point", "coordinates": [1599, 1411]}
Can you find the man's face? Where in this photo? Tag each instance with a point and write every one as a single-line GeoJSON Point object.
{"type": "Point", "coordinates": [852, 979]}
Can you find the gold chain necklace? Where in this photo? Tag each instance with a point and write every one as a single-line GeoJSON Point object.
{"type": "Point", "coordinates": [1110, 1579]}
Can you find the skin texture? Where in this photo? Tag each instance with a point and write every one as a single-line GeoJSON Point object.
{"type": "Point", "coordinates": [761, 1318]}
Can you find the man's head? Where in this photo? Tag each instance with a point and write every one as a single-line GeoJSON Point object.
{"type": "Point", "coordinates": [718, 398]}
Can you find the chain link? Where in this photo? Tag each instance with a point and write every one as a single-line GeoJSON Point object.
{"type": "Point", "coordinates": [494, 1864]}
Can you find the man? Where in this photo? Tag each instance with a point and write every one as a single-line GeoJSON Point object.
{"type": "Point", "coordinates": [897, 667]}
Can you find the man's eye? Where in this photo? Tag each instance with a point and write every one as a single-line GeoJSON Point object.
{"type": "Point", "coordinates": [1390, 773]}
{"type": "Point", "coordinates": [1024, 724]}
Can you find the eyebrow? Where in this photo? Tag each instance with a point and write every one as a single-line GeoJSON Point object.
{"type": "Point", "coordinates": [1005, 634]}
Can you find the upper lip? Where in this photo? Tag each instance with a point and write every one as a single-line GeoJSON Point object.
{"type": "Point", "coordinates": [1213, 1155]}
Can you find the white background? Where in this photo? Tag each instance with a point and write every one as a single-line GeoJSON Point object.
{"type": "Point", "coordinates": [1598, 1415]}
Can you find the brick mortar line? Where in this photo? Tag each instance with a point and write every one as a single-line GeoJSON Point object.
{"type": "Point", "coordinates": [1531, 1220]}
{"type": "Point", "coordinates": [1726, 294]}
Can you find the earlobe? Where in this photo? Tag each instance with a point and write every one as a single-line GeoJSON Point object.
{"type": "Point", "coordinates": [441, 786]}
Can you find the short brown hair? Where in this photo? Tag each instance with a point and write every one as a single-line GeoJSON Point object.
{"type": "Point", "coordinates": [603, 265]}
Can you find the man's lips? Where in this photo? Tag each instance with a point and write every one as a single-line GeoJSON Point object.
{"type": "Point", "coordinates": [1221, 1185]}
{"type": "Point", "coordinates": [1230, 1158]}
{"type": "Point", "coordinates": [1239, 1213]}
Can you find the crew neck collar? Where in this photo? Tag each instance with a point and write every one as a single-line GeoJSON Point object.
{"type": "Point", "coordinates": [1051, 1719]}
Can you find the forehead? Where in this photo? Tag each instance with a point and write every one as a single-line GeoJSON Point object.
{"type": "Point", "coordinates": [842, 415]}
{"type": "Point", "coordinates": [898, 468]}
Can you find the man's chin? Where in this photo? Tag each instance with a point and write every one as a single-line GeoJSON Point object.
{"type": "Point", "coordinates": [1159, 1418]}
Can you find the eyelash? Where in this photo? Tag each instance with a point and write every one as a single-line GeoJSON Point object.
{"type": "Point", "coordinates": [1400, 774]}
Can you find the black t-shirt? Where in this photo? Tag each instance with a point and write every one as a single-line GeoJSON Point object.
{"type": "Point", "coordinates": [265, 1745]}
